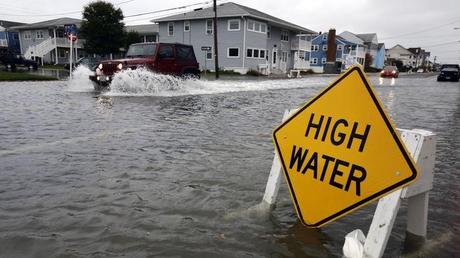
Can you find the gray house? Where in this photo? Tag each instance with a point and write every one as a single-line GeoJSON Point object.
{"type": "Point", "coordinates": [147, 32]}
{"type": "Point", "coordinates": [45, 41]}
{"type": "Point", "coordinates": [247, 39]}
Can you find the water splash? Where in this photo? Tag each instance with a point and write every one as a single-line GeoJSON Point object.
{"type": "Point", "coordinates": [80, 81]}
{"type": "Point", "coordinates": [142, 82]}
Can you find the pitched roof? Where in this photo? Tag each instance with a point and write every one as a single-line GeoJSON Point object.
{"type": "Point", "coordinates": [144, 28]}
{"type": "Point", "coordinates": [48, 23]}
{"type": "Point", "coordinates": [367, 37]}
{"type": "Point", "coordinates": [231, 9]}
{"type": "Point", "coordinates": [415, 50]}
{"type": "Point", "coordinates": [351, 37]}
{"type": "Point", "coordinates": [8, 24]}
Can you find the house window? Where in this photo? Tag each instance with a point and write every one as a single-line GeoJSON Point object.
{"type": "Point", "coordinates": [284, 56]}
{"type": "Point", "coordinates": [323, 60]}
{"type": "Point", "coordinates": [324, 47]}
{"type": "Point", "coordinates": [186, 26]}
{"type": "Point", "coordinates": [257, 26]}
{"type": "Point", "coordinates": [27, 35]}
{"type": "Point", "coordinates": [209, 54]}
{"type": "Point", "coordinates": [269, 31]}
{"type": "Point", "coordinates": [233, 25]}
{"type": "Point", "coordinates": [339, 47]}
{"type": "Point", "coordinates": [314, 61]}
{"type": "Point", "coordinates": [170, 28]}
{"type": "Point", "coordinates": [338, 59]}
{"type": "Point", "coordinates": [256, 53]}
{"type": "Point", "coordinates": [39, 34]}
{"type": "Point", "coordinates": [249, 52]}
{"type": "Point", "coordinates": [233, 52]}
{"type": "Point", "coordinates": [166, 52]}
{"type": "Point", "coordinates": [262, 53]}
{"type": "Point", "coordinates": [61, 53]}
{"type": "Point", "coordinates": [314, 47]}
{"type": "Point", "coordinates": [284, 35]}
{"type": "Point", "coordinates": [263, 28]}
{"type": "Point", "coordinates": [324, 36]}
{"type": "Point", "coordinates": [251, 25]}
{"type": "Point", "coordinates": [209, 26]}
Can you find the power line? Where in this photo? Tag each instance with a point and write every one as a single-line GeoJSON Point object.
{"type": "Point", "coordinates": [169, 9]}
{"type": "Point", "coordinates": [57, 14]}
{"type": "Point", "coordinates": [442, 44]}
{"type": "Point", "coordinates": [420, 31]}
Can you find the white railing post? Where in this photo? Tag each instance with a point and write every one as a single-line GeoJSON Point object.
{"type": "Point", "coordinates": [422, 146]}
{"type": "Point", "coordinates": [275, 177]}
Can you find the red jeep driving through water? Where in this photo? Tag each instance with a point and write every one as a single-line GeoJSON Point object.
{"type": "Point", "coordinates": [166, 58]}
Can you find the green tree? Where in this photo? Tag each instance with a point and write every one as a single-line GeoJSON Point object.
{"type": "Point", "coordinates": [131, 37]}
{"type": "Point", "coordinates": [102, 28]}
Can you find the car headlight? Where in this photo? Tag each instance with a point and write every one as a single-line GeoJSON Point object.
{"type": "Point", "coordinates": [99, 66]}
{"type": "Point", "coordinates": [120, 66]}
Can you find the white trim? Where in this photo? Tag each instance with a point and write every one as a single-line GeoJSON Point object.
{"type": "Point", "coordinates": [323, 60]}
{"type": "Point", "coordinates": [314, 60]}
{"type": "Point", "coordinates": [170, 23]}
{"type": "Point", "coordinates": [189, 26]}
{"type": "Point", "coordinates": [27, 35]}
{"type": "Point", "coordinates": [232, 20]}
{"type": "Point", "coordinates": [314, 48]}
{"type": "Point", "coordinates": [340, 47]}
{"type": "Point", "coordinates": [324, 47]}
{"type": "Point", "coordinates": [228, 52]}
{"type": "Point", "coordinates": [244, 40]}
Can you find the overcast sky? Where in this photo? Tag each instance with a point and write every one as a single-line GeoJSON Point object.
{"type": "Point", "coordinates": [417, 23]}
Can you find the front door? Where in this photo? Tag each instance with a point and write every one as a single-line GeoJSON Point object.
{"type": "Point", "coordinates": [274, 58]}
{"type": "Point", "coordinates": [283, 61]}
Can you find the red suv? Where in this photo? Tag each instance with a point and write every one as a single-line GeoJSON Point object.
{"type": "Point", "coordinates": [166, 58]}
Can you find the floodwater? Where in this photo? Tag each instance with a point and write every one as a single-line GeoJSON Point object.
{"type": "Point", "coordinates": [160, 167]}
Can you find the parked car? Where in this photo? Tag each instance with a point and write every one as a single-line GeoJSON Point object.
{"type": "Point", "coordinates": [449, 74]}
{"type": "Point", "coordinates": [450, 66]}
{"type": "Point", "coordinates": [389, 71]}
{"type": "Point", "coordinates": [11, 60]}
{"type": "Point", "coordinates": [90, 62]}
{"type": "Point", "coordinates": [166, 58]}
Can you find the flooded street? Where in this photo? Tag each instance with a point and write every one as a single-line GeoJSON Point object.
{"type": "Point", "coordinates": [160, 167]}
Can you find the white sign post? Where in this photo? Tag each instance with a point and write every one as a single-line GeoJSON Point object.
{"type": "Point", "coordinates": [70, 56]}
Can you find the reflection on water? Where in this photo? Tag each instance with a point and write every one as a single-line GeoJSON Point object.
{"type": "Point", "coordinates": [56, 73]}
{"type": "Point", "coordinates": [383, 80]}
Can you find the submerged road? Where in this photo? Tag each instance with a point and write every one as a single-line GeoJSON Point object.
{"type": "Point", "coordinates": [169, 169]}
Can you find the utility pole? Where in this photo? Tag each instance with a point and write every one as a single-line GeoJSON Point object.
{"type": "Point", "coordinates": [216, 55]}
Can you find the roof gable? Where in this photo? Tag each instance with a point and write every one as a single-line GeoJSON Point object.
{"type": "Point", "coordinates": [352, 38]}
{"type": "Point", "coordinates": [368, 37]}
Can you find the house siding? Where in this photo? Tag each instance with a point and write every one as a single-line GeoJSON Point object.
{"type": "Point", "coordinates": [242, 39]}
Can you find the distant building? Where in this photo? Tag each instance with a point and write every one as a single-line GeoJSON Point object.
{"type": "Point", "coordinates": [45, 42]}
{"type": "Point", "coordinates": [346, 54]}
{"type": "Point", "coordinates": [419, 58]}
{"type": "Point", "coordinates": [357, 49]}
{"type": "Point", "coordinates": [147, 32]}
{"type": "Point", "coordinates": [9, 38]}
{"type": "Point", "coordinates": [400, 57]}
{"type": "Point", "coordinates": [248, 39]}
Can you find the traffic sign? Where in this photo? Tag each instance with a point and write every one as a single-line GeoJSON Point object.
{"type": "Point", "coordinates": [206, 48]}
{"type": "Point", "coordinates": [70, 31]}
{"type": "Point", "coordinates": [341, 151]}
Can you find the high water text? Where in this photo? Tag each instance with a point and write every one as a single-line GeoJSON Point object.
{"type": "Point", "coordinates": [336, 172]}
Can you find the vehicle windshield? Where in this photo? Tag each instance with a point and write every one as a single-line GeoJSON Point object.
{"type": "Point", "coordinates": [141, 50]}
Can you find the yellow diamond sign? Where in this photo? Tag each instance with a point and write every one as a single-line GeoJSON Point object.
{"type": "Point", "coordinates": [340, 151]}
